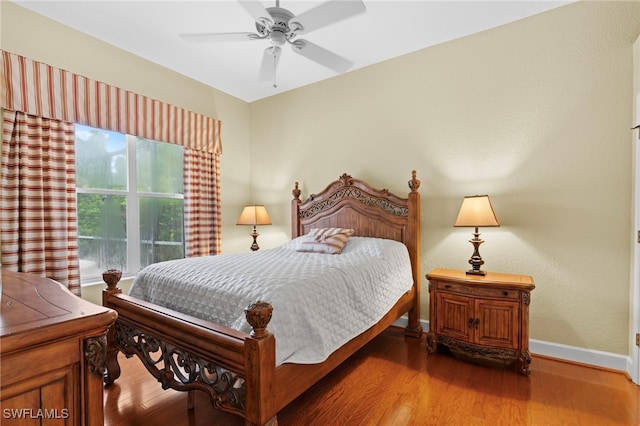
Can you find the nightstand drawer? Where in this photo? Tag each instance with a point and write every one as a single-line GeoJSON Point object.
{"type": "Point", "coordinates": [478, 291]}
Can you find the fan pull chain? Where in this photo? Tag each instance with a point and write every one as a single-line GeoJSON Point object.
{"type": "Point", "coordinates": [275, 69]}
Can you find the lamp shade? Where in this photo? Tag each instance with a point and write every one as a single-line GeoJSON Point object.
{"type": "Point", "coordinates": [477, 211]}
{"type": "Point", "coordinates": [254, 215]}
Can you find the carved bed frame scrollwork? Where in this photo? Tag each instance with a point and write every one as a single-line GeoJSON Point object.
{"type": "Point", "coordinates": [237, 370]}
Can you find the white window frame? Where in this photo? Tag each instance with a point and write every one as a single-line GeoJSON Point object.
{"type": "Point", "coordinates": [133, 197]}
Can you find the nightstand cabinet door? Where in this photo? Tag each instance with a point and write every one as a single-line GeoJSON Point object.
{"type": "Point", "coordinates": [455, 315]}
{"type": "Point", "coordinates": [498, 323]}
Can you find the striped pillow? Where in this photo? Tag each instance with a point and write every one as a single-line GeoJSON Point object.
{"type": "Point", "coordinates": [326, 240]}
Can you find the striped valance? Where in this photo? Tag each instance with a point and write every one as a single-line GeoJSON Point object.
{"type": "Point", "coordinates": [45, 91]}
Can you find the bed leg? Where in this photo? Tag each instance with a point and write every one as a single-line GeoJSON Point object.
{"type": "Point", "coordinates": [414, 331]}
{"type": "Point", "coordinates": [413, 328]}
{"type": "Point", "coordinates": [190, 399]}
{"type": "Point", "coordinates": [112, 367]}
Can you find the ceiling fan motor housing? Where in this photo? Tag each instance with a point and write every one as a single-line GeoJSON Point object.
{"type": "Point", "coordinates": [278, 32]}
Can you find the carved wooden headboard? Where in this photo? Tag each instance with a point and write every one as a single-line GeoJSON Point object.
{"type": "Point", "coordinates": [370, 212]}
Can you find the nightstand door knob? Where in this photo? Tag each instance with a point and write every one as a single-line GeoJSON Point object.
{"type": "Point", "coordinates": [470, 323]}
{"type": "Point", "coordinates": [477, 322]}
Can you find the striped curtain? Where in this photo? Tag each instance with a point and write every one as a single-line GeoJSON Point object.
{"type": "Point", "coordinates": [38, 211]}
{"type": "Point", "coordinates": [40, 90]}
{"type": "Point", "coordinates": [201, 203]}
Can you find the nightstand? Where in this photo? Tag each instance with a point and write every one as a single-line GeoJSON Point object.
{"type": "Point", "coordinates": [484, 317]}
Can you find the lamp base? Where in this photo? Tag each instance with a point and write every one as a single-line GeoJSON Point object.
{"type": "Point", "coordinates": [476, 260]}
{"type": "Point", "coordinates": [254, 245]}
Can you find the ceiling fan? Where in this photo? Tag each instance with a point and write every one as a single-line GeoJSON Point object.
{"type": "Point", "coordinates": [279, 26]}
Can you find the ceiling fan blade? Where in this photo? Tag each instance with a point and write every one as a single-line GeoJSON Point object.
{"type": "Point", "coordinates": [207, 37]}
{"type": "Point", "coordinates": [321, 55]}
{"type": "Point", "coordinates": [269, 64]}
{"type": "Point", "coordinates": [326, 13]}
{"type": "Point", "coordinates": [257, 11]}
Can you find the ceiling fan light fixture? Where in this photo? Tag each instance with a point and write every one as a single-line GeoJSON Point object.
{"type": "Point", "coordinates": [278, 38]}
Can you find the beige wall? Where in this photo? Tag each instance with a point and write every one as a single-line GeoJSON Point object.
{"type": "Point", "coordinates": [535, 113]}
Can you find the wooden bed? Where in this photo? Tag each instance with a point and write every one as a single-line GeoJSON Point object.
{"type": "Point", "coordinates": [236, 369]}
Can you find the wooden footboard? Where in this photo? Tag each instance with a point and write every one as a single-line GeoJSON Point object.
{"type": "Point", "coordinates": [185, 353]}
{"type": "Point", "coordinates": [237, 370]}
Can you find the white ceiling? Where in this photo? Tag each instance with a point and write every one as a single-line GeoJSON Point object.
{"type": "Point", "coordinates": [151, 28]}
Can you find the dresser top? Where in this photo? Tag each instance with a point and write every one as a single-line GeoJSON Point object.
{"type": "Point", "coordinates": [490, 279]}
{"type": "Point", "coordinates": [34, 309]}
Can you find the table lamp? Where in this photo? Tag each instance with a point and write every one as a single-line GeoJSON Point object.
{"type": "Point", "coordinates": [254, 215]}
{"type": "Point", "coordinates": [476, 211]}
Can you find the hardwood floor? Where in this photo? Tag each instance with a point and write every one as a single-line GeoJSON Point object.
{"type": "Point", "coordinates": [392, 381]}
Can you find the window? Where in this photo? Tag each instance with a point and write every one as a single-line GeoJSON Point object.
{"type": "Point", "coordinates": [130, 201]}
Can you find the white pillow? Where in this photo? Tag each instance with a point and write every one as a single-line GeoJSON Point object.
{"type": "Point", "coordinates": [326, 240]}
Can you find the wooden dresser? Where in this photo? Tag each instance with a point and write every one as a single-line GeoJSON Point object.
{"type": "Point", "coordinates": [52, 347]}
{"type": "Point", "coordinates": [480, 316]}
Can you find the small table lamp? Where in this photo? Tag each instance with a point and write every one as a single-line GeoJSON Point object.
{"type": "Point", "coordinates": [476, 211]}
{"type": "Point", "coordinates": [254, 215]}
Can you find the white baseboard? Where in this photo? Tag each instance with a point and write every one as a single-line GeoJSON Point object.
{"type": "Point", "coordinates": [576, 354]}
{"type": "Point", "coordinates": [593, 357]}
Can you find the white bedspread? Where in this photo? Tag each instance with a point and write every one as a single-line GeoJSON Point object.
{"type": "Point", "coordinates": [320, 301]}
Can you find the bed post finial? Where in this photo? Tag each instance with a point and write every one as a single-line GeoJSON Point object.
{"type": "Point", "coordinates": [258, 315]}
{"type": "Point", "coordinates": [111, 277]}
{"type": "Point", "coordinates": [296, 192]}
{"type": "Point", "coordinates": [414, 183]}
